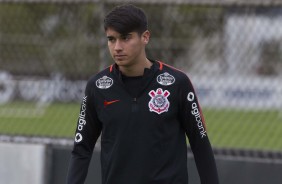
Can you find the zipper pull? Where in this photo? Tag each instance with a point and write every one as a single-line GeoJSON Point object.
{"type": "Point", "coordinates": [134, 107]}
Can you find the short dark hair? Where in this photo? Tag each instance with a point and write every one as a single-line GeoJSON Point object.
{"type": "Point", "coordinates": [125, 19]}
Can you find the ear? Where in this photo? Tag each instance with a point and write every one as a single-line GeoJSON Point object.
{"type": "Point", "coordinates": [146, 37]}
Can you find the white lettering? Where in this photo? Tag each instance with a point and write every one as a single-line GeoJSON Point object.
{"type": "Point", "coordinates": [82, 114]}
{"type": "Point", "coordinates": [197, 114]}
{"type": "Point", "coordinates": [6, 87]}
{"type": "Point", "coordinates": [43, 91]}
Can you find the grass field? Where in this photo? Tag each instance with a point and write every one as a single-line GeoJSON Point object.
{"type": "Point", "coordinates": [245, 129]}
{"type": "Point", "coordinates": [56, 120]}
{"type": "Point", "coordinates": [226, 128]}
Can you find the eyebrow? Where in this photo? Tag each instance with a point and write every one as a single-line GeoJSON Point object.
{"type": "Point", "coordinates": [109, 37]}
{"type": "Point", "coordinates": [121, 35]}
{"type": "Point", "coordinates": [127, 34]}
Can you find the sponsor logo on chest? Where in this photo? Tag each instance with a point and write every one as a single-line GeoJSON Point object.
{"type": "Point", "coordinates": [104, 82]}
{"type": "Point", "coordinates": [159, 102]}
{"type": "Point", "coordinates": [165, 79]}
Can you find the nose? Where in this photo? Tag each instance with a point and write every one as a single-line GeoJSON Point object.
{"type": "Point", "coordinates": [118, 45]}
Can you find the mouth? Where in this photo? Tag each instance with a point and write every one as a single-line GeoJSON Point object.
{"type": "Point", "coordinates": [119, 56]}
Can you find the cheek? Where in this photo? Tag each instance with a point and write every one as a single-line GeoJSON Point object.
{"type": "Point", "coordinates": [111, 50]}
{"type": "Point", "coordinates": [135, 47]}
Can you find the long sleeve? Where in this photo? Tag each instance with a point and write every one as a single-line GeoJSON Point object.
{"type": "Point", "coordinates": [194, 125]}
{"type": "Point", "coordinates": [87, 132]}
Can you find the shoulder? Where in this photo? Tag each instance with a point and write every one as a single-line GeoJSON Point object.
{"type": "Point", "coordinates": [101, 74]}
{"type": "Point", "coordinates": [178, 74]}
{"type": "Point", "coordinates": [100, 78]}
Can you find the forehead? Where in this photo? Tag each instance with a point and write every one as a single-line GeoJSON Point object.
{"type": "Point", "coordinates": [112, 33]}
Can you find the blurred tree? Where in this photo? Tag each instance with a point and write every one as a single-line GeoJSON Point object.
{"type": "Point", "coordinates": [68, 38]}
{"type": "Point", "coordinates": [39, 39]}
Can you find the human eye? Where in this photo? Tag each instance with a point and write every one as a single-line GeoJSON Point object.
{"type": "Point", "coordinates": [126, 37]}
{"type": "Point", "coordinates": [111, 39]}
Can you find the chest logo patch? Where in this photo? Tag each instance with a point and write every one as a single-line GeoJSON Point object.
{"type": "Point", "coordinates": [165, 79]}
{"type": "Point", "coordinates": [104, 82]}
{"type": "Point", "coordinates": [159, 102]}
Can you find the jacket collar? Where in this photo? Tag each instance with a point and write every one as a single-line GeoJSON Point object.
{"type": "Point", "coordinates": [149, 74]}
{"type": "Point", "coordinates": [157, 65]}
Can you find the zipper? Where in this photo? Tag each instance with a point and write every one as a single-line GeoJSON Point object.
{"type": "Point", "coordinates": [134, 107]}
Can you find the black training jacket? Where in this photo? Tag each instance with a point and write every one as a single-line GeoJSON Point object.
{"type": "Point", "coordinates": [143, 137]}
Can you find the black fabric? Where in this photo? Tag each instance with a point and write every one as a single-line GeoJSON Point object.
{"type": "Point", "coordinates": [143, 138]}
{"type": "Point", "coordinates": [132, 84]}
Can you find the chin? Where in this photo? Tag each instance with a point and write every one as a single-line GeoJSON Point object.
{"type": "Point", "coordinates": [121, 62]}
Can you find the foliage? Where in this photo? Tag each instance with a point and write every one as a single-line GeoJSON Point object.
{"type": "Point", "coordinates": [46, 38]}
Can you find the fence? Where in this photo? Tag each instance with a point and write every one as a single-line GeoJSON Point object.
{"type": "Point", "coordinates": [230, 49]}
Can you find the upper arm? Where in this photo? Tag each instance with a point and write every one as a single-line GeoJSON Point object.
{"type": "Point", "coordinates": [192, 118]}
{"type": "Point", "coordinates": [88, 125]}
{"type": "Point", "coordinates": [87, 132]}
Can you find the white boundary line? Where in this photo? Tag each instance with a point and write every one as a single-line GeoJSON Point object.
{"type": "Point", "coordinates": [36, 140]}
{"type": "Point", "coordinates": [22, 112]}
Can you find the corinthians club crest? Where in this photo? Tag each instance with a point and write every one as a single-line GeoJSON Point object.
{"type": "Point", "coordinates": [159, 102]}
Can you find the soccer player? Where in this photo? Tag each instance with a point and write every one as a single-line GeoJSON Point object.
{"type": "Point", "coordinates": [143, 110]}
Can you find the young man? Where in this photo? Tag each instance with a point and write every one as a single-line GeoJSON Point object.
{"type": "Point", "coordinates": [144, 110]}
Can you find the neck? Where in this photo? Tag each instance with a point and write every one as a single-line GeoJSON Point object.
{"type": "Point", "coordinates": [136, 69]}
